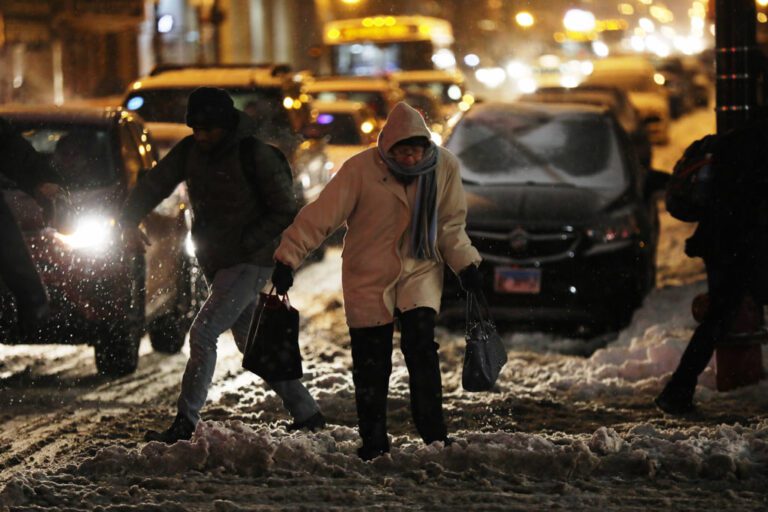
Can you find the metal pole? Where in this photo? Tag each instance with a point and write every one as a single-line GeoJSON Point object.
{"type": "Point", "coordinates": [736, 62]}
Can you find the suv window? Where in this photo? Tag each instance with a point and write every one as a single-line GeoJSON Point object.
{"type": "Point", "coordinates": [81, 154]}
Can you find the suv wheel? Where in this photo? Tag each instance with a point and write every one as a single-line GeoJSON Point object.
{"type": "Point", "coordinates": [168, 332]}
{"type": "Point", "coordinates": [117, 351]}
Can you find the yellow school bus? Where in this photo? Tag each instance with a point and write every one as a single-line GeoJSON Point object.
{"type": "Point", "coordinates": [378, 45]}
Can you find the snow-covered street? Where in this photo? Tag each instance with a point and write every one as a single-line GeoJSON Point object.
{"type": "Point", "coordinates": [571, 426]}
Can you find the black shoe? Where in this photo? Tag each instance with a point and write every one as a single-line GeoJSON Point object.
{"type": "Point", "coordinates": [367, 453]}
{"type": "Point", "coordinates": [314, 422]}
{"type": "Point", "coordinates": [180, 430]}
{"type": "Point", "coordinates": [677, 404]}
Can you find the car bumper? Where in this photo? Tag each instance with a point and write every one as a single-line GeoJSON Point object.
{"type": "Point", "coordinates": [586, 288]}
{"type": "Point", "coordinates": [86, 292]}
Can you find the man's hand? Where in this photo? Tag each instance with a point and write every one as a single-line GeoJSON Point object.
{"type": "Point", "coordinates": [135, 239]}
{"type": "Point", "coordinates": [282, 277]}
{"type": "Point", "coordinates": [470, 279]}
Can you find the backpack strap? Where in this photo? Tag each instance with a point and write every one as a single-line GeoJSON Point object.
{"type": "Point", "coordinates": [249, 164]}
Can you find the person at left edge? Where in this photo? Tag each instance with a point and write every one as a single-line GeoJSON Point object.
{"type": "Point", "coordinates": [27, 170]}
{"type": "Point", "coordinates": [241, 204]}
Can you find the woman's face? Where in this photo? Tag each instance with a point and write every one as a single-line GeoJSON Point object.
{"type": "Point", "coordinates": [406, 155]}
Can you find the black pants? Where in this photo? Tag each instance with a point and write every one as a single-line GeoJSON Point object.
{"type": "Point", "coordinates": [372, 366]}
{"type": "Point", "coordinates": [728, 286]}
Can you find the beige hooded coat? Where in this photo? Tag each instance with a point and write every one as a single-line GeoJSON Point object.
{"type": "Point", "coordinates": [378, 273]}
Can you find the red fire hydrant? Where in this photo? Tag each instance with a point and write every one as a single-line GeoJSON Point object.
{"type": "Point", "coordinates": [739, 357]}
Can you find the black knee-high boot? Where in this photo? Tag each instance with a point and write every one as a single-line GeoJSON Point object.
{"type": "Point", "coordinates": [417, 341]}
{"type": "Point", "coordinates": [372, 365]}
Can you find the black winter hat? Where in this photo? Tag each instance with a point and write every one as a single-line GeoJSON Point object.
{"type": "Point", "coordinates": [211, 106]}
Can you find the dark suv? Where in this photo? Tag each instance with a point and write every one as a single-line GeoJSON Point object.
{"type": "Point", "coordinates": [101, 294]}
{"type": "Point", "coordinates": [561, 211]}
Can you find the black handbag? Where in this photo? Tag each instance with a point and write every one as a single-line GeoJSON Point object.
{"type": "Point", "coordinates": [272, 349]}
{"type": "Point", "coordinates": [485, 354]}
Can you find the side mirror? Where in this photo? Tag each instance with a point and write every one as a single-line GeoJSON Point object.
{"type": "Point", "coordinates": [656, 182]}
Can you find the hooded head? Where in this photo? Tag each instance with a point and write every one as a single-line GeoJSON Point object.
{"type": "Point", "coordinates": [403, 122]}
{"type": "Point", "coordinates": [211, 107]}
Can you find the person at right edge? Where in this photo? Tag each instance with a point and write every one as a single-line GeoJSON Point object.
{"type": "Point", "coordinates": [405, 212]}
{"type": "Point", "coordinates": [732, 239]}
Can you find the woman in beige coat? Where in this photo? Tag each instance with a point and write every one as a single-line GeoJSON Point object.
{"type": "Point", "coordinates": [405, 212]}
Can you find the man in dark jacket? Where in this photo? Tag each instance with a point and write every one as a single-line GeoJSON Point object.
{"type": "Point", "coordinates": [732, 239]}
{"type": "Point", "coordinates": [26, 169]}
{"type": "Point", "coordinates": [241, 204]}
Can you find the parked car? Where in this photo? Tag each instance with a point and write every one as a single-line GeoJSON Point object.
{"type": "Point", "coordinates": [563, 215]}
{"type": "Point", "coordinates": [617, 102]}
{"type": "Point", "coordinates": [348, 127]}
{"type": "Point", "coordinates": [645, 88]}
{"type": "Point", "coordinates": [380, 94]}
{"type": "Point", "coordinates": [679, 85]}
{"type": "Point", "coordinates": [268, 93]}
{"type": "Point", "coordinates": [102, 294]}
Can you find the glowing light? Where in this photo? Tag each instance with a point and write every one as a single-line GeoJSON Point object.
{"type": "Point", "coordinates": [659, 78]}
{"type": "Point", "coordinates": [761, 17]}
{"type": "Point", "coordinates": [444, 59]}
{"type": "Point", "coordinates": [366, 127]}
{"type": "Point", "coordinates": [136, 85]}
{"type": "Point", "coordinates": [600, 48]}
{"type": "Point", "coordinates": [350, 2]}
{"type": "Point", "coordinates": [334, 34]}
{"type": "Point", "coordinates": [527, 85]}
{"type": "Point", "coordinates": [91, 233]}
{"type": "Point", "coordinates": [569, 81]}
{"type": "Point", "coordinates": [646, 24]}
{"type": "Point", "coordinates": [524, 19]}
{"type": "Point", "coordinates": [288, 102]}
{"type": "Point", "coordinates": [324, 119]}
{"type": "Point", "coordinates": [578, 20]}
{"type": "Point", "coordinates": [165, 23]}
{"type": "Point", "coordinates": [517, 69]}
{"type": "Point", "coordinates": [762, 3]}
{"type": "Point", "coordinates": [491, 77]}
{"type": "Point", "coordinates": [471, 60]}
{"type": "Point", "coordinates": [454, 92]}
{"type": "Point", "coordinates": [626, 9]}
{"type": "Point", "coordinates": [135, 103]}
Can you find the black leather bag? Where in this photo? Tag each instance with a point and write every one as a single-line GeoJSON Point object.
{"type": "Point", "coordinates": [485, 354]}
{"type": "Point", "coordinates": [272, 349]}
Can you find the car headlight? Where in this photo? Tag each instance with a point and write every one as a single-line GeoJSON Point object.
{"type": "Point", "coordinates": [189, 245]}
{"type": "Point", "coordinates": [93, 234]}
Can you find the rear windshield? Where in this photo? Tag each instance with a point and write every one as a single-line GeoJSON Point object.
{"type": "Point", "coordinates": [340, 128]}
{"type": "Point", "coordinates": [506, 146]}
{"type": "Point", "coordinates": [82, 155]}
{"type": "Point", "coordinates": [170, 105]}
{"type": "Point", "coordinates": [375, 100]}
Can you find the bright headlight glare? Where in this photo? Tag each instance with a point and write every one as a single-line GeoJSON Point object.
{"type": "Point", "coordinates": [91, 233]}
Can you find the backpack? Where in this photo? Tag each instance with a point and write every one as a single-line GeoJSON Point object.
{"type": "Point", "coordinates": [690, 191]}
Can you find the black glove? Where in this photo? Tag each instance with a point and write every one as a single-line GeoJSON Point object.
{"type": "Point", "coordinates": [282, 277]}
{"type": "Point", "coordinates": [470, 279]}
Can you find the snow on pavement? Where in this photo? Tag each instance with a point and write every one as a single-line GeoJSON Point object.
{"type": "Point", "coordinates": [560, 431]}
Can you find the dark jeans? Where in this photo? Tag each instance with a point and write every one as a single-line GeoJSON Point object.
{"type": "Point", "coordinates": [727, 289]}
{"type": "Point", "coordinates": [372, 365]}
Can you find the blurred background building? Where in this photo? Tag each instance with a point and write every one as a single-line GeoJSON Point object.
{"type": "Point", "coordinates": [56, 50]}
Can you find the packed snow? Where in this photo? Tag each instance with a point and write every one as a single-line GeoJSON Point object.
{"type": "Point", "coordinates": [570, 425]}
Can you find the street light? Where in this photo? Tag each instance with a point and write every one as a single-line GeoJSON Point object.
{"type": "Point", "coordinates": [578, 20]}
{"type": "Point", "coordinates": [526, 19]}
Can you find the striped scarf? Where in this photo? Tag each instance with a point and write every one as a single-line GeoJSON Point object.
{"type": "Point", "coordinates": [424, 219]}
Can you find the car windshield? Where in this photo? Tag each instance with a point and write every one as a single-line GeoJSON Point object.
{"type": "Point", "coordinates": [170, 105]}
{"type": "Point", "coordinates": [82, 155]}
{"type": "Point", "coordinates": [515, 146]}
{"type": "Point", "coordinates": [373, 99]}
{"type": "Point", "coordinates": [447, 92]}
{"type": "Point", "coordinates": [340, 128]}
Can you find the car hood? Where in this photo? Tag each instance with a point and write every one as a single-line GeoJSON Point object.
{"type": "Point", "coordinates": [503, 205]}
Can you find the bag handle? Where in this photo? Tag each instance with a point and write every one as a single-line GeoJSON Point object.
{"type": "Point", "coordinates": [477, 306]}
{"type": "Point", "coordinates": [284, 298]}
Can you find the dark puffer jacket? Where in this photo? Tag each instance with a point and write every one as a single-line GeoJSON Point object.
{"type": "Point", "coordinates": [238, 213]}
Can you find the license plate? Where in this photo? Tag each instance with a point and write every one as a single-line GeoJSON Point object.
{"type": "Point", "coordinates": [517, 280]}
